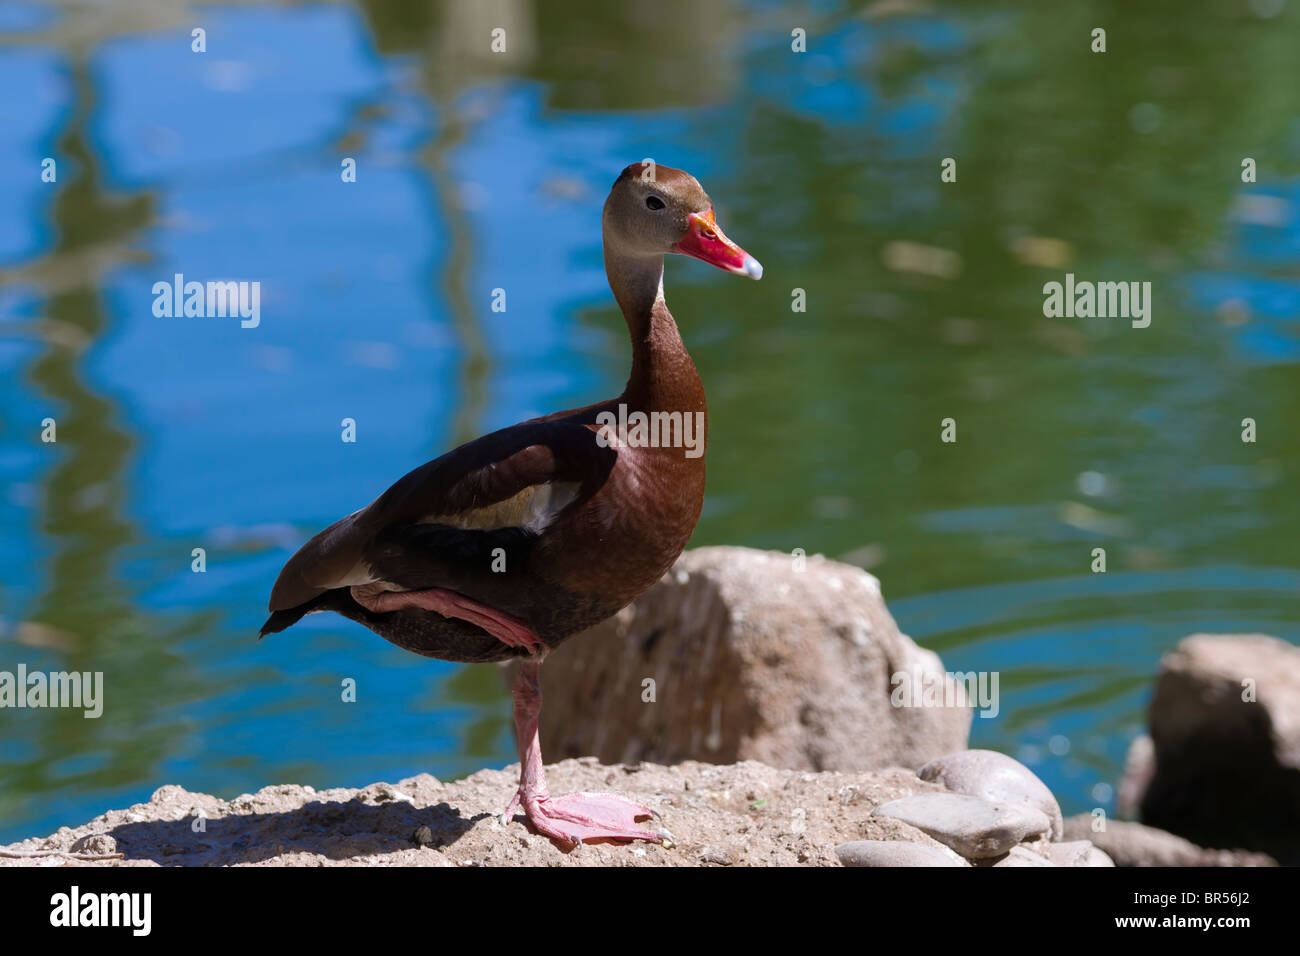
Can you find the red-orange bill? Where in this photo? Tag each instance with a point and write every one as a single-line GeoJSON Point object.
{"type": "Point", "coordinates": [704, 240]}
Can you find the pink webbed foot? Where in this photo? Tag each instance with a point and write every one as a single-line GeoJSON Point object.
{"type": "Point", "coordinates": [577, 818]}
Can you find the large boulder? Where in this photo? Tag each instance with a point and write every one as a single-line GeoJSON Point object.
{"type": "Point", "coordinates": [739, 654]}
{"type": "Point", "coordinates": [1222, 766]}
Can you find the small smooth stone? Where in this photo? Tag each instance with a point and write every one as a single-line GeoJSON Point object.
{"type": "Point", "coordinates": [895, 853]}
{"type": "Point", "coordinates": [975, 828]}
{"type": "Point", "coordinates": [1077, 853]}
{"type": "Point", "coordinates": [994, 776]}
{"type": "Point", "coordinates": [1019, 856]}
{"type": "Point", "coordinates": [717, 856]}
{"type": "Point", "coordinates": [96, 844]}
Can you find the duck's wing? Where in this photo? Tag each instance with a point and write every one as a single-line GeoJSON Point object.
{"type": "Point", "coordinates": [510, 483]}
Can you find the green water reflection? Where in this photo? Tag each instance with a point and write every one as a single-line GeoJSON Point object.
{"type": "Point", "coordinates": [1073, 434]}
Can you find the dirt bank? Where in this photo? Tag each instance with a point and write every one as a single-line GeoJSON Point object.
{"type": "Point", "coordinates": [745, 814]}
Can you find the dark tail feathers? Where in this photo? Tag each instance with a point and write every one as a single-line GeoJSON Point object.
{"type": "Point", "coordinates": [279, 620]}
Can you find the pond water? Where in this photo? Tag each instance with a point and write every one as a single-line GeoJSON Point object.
{"type": "Point", "coordinates": [478, 171]}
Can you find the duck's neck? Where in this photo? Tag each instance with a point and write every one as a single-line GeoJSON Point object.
{"type": "Point", "coordinates": [663, 376]}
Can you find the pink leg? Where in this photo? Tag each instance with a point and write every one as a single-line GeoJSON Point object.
{"type": "Point", "coordinates": [575, 817]}
{"type": "Point", "coordinates": [506, 628]}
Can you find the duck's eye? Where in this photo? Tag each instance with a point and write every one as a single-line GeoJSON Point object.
{"type": "Point", "coordinates": [654, 202]}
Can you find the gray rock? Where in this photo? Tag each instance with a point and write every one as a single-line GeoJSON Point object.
{"type": "Point", "coordinates": [994, 776]}
{"type": "Point", "coordinates": [752, 659]}
{"type": "Point", "coordinates": [1076, 853]}
{"type": "Point", "coordinates": [1133, 844]}
{"type": "Point", "coordinates": [895, 853]}
{"type": "Point", "coordinates": [1223, 766]}
{"type": "Point", "coordinates": [717, 856]}
{"type": "Point", "coordinates": [974, 827]}
{"type": "Point", "coordinates": [1019, 856]}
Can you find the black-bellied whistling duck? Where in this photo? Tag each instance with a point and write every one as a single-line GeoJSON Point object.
{"type": "Point", "coordinates": [509, 544]}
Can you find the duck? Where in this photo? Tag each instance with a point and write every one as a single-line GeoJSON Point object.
{"type": "Point", "coordinates": [506, 546]}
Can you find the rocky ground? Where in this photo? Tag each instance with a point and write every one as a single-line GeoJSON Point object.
{"type": "Point", "coordinates": [744, 814]}
{"type": "Point", "coordinates": [756, 661]}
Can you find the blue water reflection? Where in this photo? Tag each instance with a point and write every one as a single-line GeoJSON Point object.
{"type": "Point", "coordinates": [476, 175]}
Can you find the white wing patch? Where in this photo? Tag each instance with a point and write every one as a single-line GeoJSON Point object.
{"type": "Point", "coordinates": [533, 509]}
{"type": "Point", "coordinates": [360, 574]}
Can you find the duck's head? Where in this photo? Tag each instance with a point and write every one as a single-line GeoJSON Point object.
{"type": "Point", "coordinates": [654, 210]}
